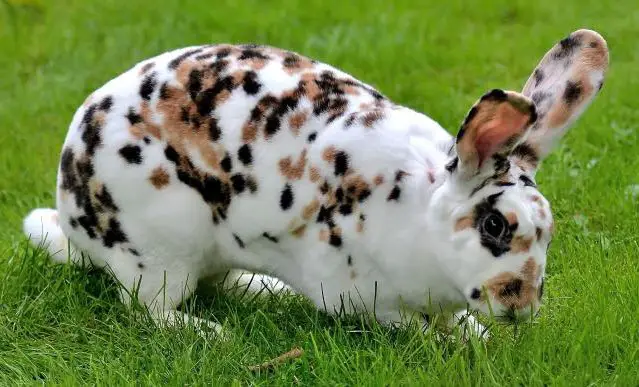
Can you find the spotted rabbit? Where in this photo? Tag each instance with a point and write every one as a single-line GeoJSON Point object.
{"type": "Point", "coordinates": [242, 157]}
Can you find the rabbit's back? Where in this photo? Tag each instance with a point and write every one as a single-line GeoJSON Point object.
{"type": "Point", "coordinates": [216, 144]}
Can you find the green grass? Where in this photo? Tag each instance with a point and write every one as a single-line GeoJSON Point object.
{"type": "Point", "coordinates": [59, 325]}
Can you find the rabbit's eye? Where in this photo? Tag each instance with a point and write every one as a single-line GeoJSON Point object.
{"type": "Point", "coordinates": [494, 225]}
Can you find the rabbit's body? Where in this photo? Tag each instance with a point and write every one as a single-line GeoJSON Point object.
{"type": "Point", "coordinates": [212, 158]}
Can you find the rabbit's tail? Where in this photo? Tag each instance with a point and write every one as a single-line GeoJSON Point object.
{"type": "Point", "coordinates": [43, 228]}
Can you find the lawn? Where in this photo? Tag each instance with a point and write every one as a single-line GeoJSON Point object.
{"type": "Point", "coordinates": [60, 325]}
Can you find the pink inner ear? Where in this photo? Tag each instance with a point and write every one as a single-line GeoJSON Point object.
{"type": "Point", "coordinates": [506, 123]}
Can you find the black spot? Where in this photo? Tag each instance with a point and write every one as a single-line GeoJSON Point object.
{"type": "Point", "coordinates": [526, 153]}
{"type": "Point", "coordinates": [572, 92]}
{"type": "Point", "coordinates": [320, 105]}
{"type": "Point", "coordinates": [312, 137]}
{"type": "Point", "coordinates": [363, 195]}
{"type": "Point", "coordinates": [394, 194]}
{"type": "Point", "coordinates": [146, 140]}
{"type": "Point", "coordinates": [204, 56]}
{"type": "Point", "coordinates": [131, 153]}
{"type": "Point", "coordinates": [106, 200]}
{"type": "Point", "coordinates": [252, 54]}
{"type": "Point", "coordinates": [346, 209]}
{"type": "Point", "coordinates": [106, 104]}
{"type": "Point", "coordinates": [239, 241]}
{"type": "Point", "coordinates": [324, 188]}
{"type": "Point", "coordinates": [495, 95]}
{"type": "Point", "coordinates": [133, 117]}
{"type": "Point", "coordinates": [286, 198]}
{"type": "Point", "coordinates": [341, 163]}
{"type": "Point", "coordinates": [213, 129]}
{"type": "Point", "coordinates": [566, 47]}
{"type": "Point", "coordinates": [504, 183]}
{"type": "Point", "coordinates": [471, 114]}
{"type": "Point", "coordinates": [501, 165]}
{"type": "Point", "coordinates": [179, 59]}
{"type": "Point", "coordinates": [251, 184]}
{"type": "Point", "coordinates": [250, 85]}
{"type": "Point", "coordinates": [350, 120]}
{"type": "Point", "coordinates": [270, 237]}
{"type": "Point", "coordinates": [539, 76]}
{"type": "Point", "coordinates": [147, 86]}
{"type": "Point", "coordinates": [335, 240]}
{"type": "Point", "coordinates": [73, 223]}
{"type": "Point", "coordinates": [223, 53]}
{"type": "Point", "coordinates": [219, 66]}
{"type": "Point", "coordinates": [91, 133]}
{"type": "Point", "coordinates": [164, 91]}
{"type": "Point", "coordinates": [134, 252]}
{"type": "Point", "coordinates": [452, 165]}
{"type": "Point", "coordinates": [205, 99]}
{"type": "Point", "coordinates": [113, 234]}
{"type": "Point", "coordinates": [184, 115]}
{"type": "Point", "coordinates": [226, 163]}
{"type": "Point", "coordinates": [140, 265]}
{"type": "Point", "coordinates": [399, 175]}
{"type": "Point", "coordinates": [272, 125]}
{"type": "Point", "coordinates": [171, 154]}
{"type": "Point", "coordinates": [349, 261]}
{"type": "Point", "coordinates": [512, 288]}
{"type": "Point", "coordinates": [194, 84]}
{"type": "Point", "coordinates": [238, 182]}
{"type": "Point", "coordinates": [325, 214]}
{"type": "Point", "coordinates": [475, 294]}
{"type": "Point", "coordinates": [245, 155]}
{"type": "Point", "coordinates": [527, 181]}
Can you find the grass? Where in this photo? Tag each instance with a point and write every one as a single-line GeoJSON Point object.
{"type": "Point", "coordinates": [60, 325]}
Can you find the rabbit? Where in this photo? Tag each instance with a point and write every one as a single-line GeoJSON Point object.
{"type": "Point", "coordinates": [218, 159]}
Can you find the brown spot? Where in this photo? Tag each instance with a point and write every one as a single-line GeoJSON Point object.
{"type": "Point", "coordinates": [353, 274]}
{"type": "Point", "coordinates": [431, 176]}
{"type": "Point", "coordinates": [542, 213]}
{"type": "Point", "coordinates": [539, 233]}
{"type": "Point", "coordinates": [535, 199]}
{"type": "Point", "coordinates": [310, 209]}
{"type": "Point", "coordinates": [324, 235]}
{"type": "Point", "coordinates": [379, 180]}
{"type": "Point", "coordinates": [520, 244]}
{"type": "Point", "coordinates": [297, 120]}
{"type": "Point", "coordinates": [370, 118]}
{"type": "Point", "coordinates": [293, 170]}
{"type": "Point", "coordinates": [295, 63]}
{"type": "Point", "coordinates": [356, 187]}
{"type": "Point", "coordinates": [464, 223]}
{"type": "Point", "coordinates": [159, 178]}
{"type": "Point", "coordinates": [315, 174]}
{"type": "Point", "coordinates": [360, 224]}
{"type": "Point", "coordinates": [351, 90]}
{"type": "Point", "coordinates": [299, 231]}
{"type": "Point", "coordinates": [329, 154]}
{"type": "Point", "coordinates": [511, 217]}
{"type": "Point", "coordinates": [527, 293]}
{"type": "Point", "coordinates": [249, 132]}
{"type": "Point", "coordinates": [146, 67]}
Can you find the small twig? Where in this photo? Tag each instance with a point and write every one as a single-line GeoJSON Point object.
{"type": "Point", "coordinates": [290, 355]}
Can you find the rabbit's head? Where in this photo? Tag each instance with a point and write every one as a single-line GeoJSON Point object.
{"type": "Point", "coordinates": [493, 226]}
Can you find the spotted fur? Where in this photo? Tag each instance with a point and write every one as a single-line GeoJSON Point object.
{"type": "Point", "coordinates": [249, 157]}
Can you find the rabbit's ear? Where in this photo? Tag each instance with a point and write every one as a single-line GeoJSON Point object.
{"type": "Point", "coordinates": [494, 126]}
{"type": "Point", "coordinates": [562, 86]}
